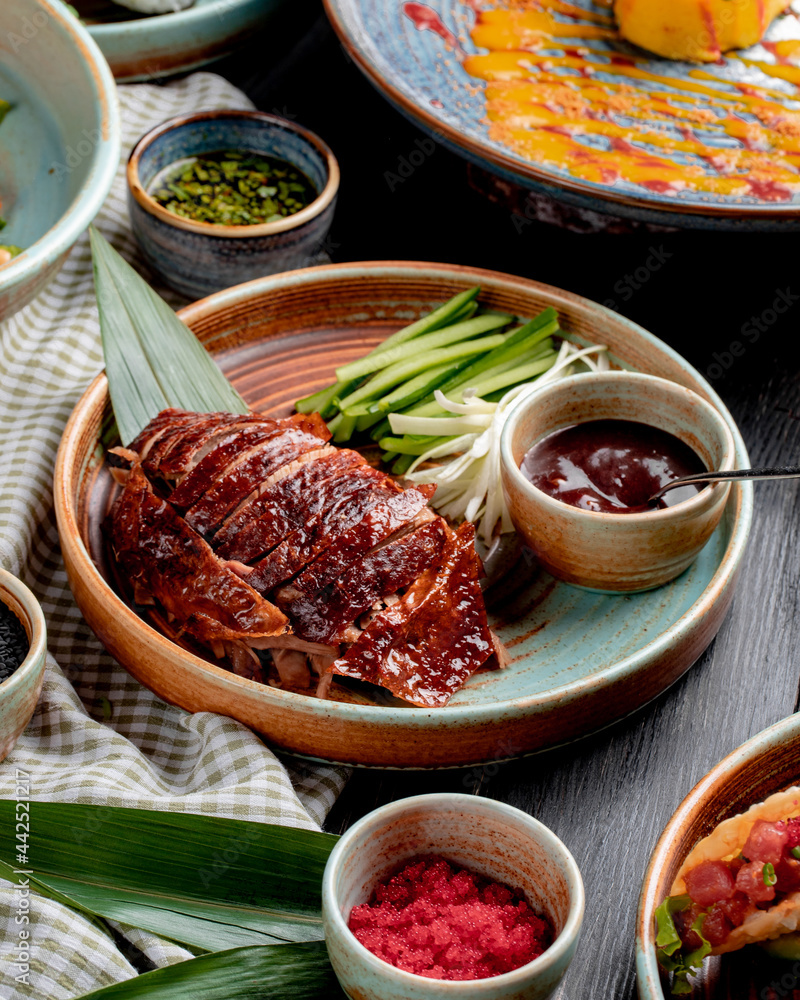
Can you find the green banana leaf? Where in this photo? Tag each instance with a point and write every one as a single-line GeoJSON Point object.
{"type": "Point", "coordinates": [282, 972]}
{"type": "Point", "coordinates": [204, 881]}
{"type": "Point", "coordinates": [153, 360]}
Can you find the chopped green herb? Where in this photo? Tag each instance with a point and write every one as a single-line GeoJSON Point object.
{"type": "Point", "coordinates": [795, 852]}
{"type": "Point", "coordinates": [768, 874]}
{"type": "Point", "coordinates": [231, 188]}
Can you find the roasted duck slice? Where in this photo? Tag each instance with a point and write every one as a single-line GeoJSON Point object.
{"type": "Point", "coordinates": [275, 524]}
{"type": "Point", "coordinates": [166, 558]}
{"type": "Point", "coordinates": [387, 569]}
{"type": "Point", "coordinates": [241, 479]}
{"type": "Point", "coordinates": [353, 502]}
{"type": "Point", "coordinates": [379, 523]}
{"type": "Point", "coordinates": [285, 500]}
{"type": "Point", "coordinates": [232, 449]}
{"type": "Point", "coordinates": [426, 645]}
{"type": "Point", "coordinates": [189, 447]}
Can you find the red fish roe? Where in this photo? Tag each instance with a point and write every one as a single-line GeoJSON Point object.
{"type": "Point", "coordinates": [445, 922]}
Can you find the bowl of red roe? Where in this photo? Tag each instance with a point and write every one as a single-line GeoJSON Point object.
{"type": "Point", "coordinates": [451, 896]}
{"type": "Point", "coordinates": [580, 460]}
{"type": "Point", "coordinates": [23, 650]}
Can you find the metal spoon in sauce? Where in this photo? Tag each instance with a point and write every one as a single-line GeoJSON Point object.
{"type": "Point", "coordinates": [787, 472]}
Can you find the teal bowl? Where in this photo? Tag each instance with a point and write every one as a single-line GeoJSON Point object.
{"type": "Point", "coordinates": [198, 258]}
{"type": "Point", "coordinates": [20, 692]}
{"type": "Point", "coordinates": [59, 143]}
{"type": "Point", "coordinates": [485, 836]}
{"type": "Point", "coordinates": [147, 48]}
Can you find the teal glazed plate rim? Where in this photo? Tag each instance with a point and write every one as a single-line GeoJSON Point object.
{"type": "Point", "coordinates": [413, 53]}
{"type": "Point", "coordinates": [765, 764]}
{"type": "Point", "coordinates": [580, 661]}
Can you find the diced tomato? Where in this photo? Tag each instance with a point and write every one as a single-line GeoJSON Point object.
{"type": "Point", "coordinates": [710, 882]}
{"type": "Point", "coordinates": [683, 925]}
{"type": "Point", "coordinates": [766, 842]}
{"type": "Point", "coordinates": [750, 880]}
{"type": "Point", "coordinates": [737, 908]}
{"type": "Point", "coordinates": [716, 927]}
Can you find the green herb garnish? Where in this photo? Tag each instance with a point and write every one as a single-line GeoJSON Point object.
{"type": "Point", "coordinates": [768, 874]}
{"type": "Point", "coordinates": [669, 944]}
{"type": "Point", "coordinates": [234, 189]}
{"type": "Point", "coordinates": [795, 852]}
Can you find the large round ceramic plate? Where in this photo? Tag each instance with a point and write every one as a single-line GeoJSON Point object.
{"type": "Point", "coordinates": [571, 111]}
{"type": "Point", "coordinates": [579, 660]}
{"type": "Point", "coordinates": [140, 47]}
{"type": "Point", "coordinates": [767, 763]}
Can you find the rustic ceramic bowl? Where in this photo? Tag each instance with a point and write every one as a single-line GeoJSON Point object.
{"type": "Point", "coordinates": [197, 258]}
{"type": "Point", "coordinates": [615, 552]}
{"type": "Point", "coordinates": [60, 141]}
{"type": "Point", "coordinates": [488, 837]}
{"type": "Point", "coordinates": [765, 764]}
{"type": "Point", "coordinates": [580, 660]}
{"type": "Point", "coordinates": [20, 692]}
{"type": "Point", "coordinates": [142, 47]}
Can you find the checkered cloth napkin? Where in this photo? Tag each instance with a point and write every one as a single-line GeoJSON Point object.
{"type": "Point", "coordinates": [97, 735]}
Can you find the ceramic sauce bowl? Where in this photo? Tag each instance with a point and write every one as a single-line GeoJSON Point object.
{"type": "Point", "coordinates": [198, 258]}
{"type": "Point", "coordinates": [20, 692]}
{"type": "Point", "coordinates": [488, 837]}
{"type": "Point", "coordinates": [624, 552]}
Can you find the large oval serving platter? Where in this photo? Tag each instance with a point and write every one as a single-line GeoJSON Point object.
{"type": "Point", "coordinates": [767, 763]}
{"type": "Point", "coordinates": [689, 116]}
{"type": "Point", "coordinates": [148, 47]}
{"type": "Point", "coordinates": [580, 660]}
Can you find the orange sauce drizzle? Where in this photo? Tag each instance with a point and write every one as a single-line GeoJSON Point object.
{"type": "Point", "coordinates": [549, 98]}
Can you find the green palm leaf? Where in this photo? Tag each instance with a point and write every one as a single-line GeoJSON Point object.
{"type": "Point", "coordinates": [283, 972]}
{"type": "Point", "coordinates": [153, 360]}
{"type": "Point", "coordinates": [201, 880]}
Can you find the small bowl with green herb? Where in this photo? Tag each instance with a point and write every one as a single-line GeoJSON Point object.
{"type": "Point", "coordinates": [221, 197]}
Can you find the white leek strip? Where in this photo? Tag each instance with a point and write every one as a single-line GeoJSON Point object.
{"type": "Point", "coordinates": [469, 484]}
{"type": "Point", "coordinates": [472, 403]}
{"type": "Point", "coordinates": [402, 423]}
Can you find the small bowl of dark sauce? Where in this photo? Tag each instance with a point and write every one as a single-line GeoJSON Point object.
{"type": "Point", "coordinates": [23, 650]}
{"type": "Point", "coordinates": [220, 197]}
{"type": "Point", "coordinates": [581, 459]}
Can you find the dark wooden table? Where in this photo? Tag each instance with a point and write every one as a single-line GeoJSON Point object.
{"type": "Point", "coordinates": [609, 796]}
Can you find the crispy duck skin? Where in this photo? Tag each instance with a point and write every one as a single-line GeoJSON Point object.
{"type": "Point", "coordinates": [241, 479]}
{"type": "Point", "coordinates": [231, 450]}
{"type": "Point", "coordinates": [379, 523]}
{"type": "Point", "coordinates": [385, 570]}
{"type": "Point", "coordinates": [276, 524]}
{"type": "Point", "coordinates": [160, 552]}
{"type": "Point", "coordinates": [369, 583]}
{"type": "Point", "coordinates": [305, 543]}
{"type": "Point", "coordinates": [286, 501]}
{"type": "Point", "coordinates": [424, 647]}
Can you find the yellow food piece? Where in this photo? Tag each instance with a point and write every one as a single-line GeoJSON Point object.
{"type": "Point", "coordinates": [697, 30]}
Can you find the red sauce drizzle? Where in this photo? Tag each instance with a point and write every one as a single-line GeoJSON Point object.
{"type": "Point", "coordinates": [425, 18]}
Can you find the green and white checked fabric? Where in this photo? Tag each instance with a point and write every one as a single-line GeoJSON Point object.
{"type": "Point", "coordinates": [97, 735]}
